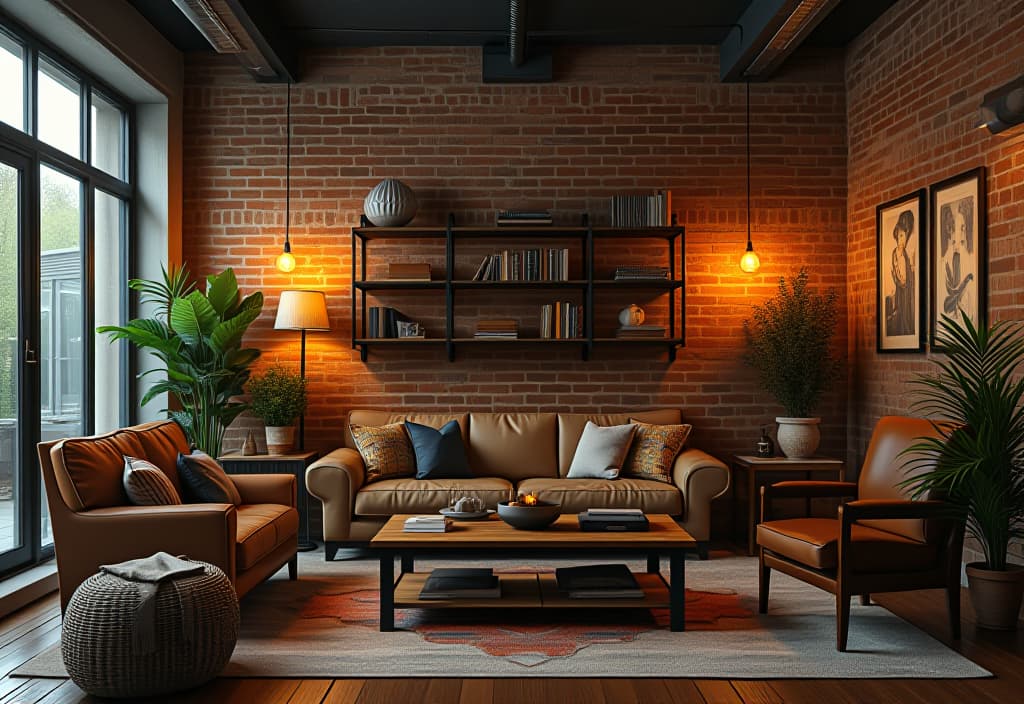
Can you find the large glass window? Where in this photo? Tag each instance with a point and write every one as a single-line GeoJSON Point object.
{"type": "Point", "coordinates": [10, 200]}
{"type": "Point", "coordinates": [59, 113]}
{"type": "Point", "coordinates": [12, 82]}
{"type": "Point", "coordinates": [108, 145]}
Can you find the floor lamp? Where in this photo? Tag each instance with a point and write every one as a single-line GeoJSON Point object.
{"type": "Point", "coordinates": [303, 311]}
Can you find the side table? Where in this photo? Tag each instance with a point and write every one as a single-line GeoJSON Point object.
{"type": "Point", "coordinates": [292, 463]}
{"type": "Point", "coordinates": [754, 466]}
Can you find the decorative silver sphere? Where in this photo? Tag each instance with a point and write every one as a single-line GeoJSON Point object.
{"type": "Point", "coordinates": [390, 203]}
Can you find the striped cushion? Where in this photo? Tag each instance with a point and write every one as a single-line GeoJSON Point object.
{"type": "Point", "coordinates": [147, 485]}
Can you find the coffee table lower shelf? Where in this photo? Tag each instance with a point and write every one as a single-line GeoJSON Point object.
{"type": "Point", "coordinates": [530, 590]}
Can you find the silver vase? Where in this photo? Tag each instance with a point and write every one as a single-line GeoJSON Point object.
{"type": "Point", "coordinates": [390, 204]}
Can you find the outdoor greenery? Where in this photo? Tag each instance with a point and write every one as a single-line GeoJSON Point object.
{"type": "Point", "coordinates": [198, 339]}
{"type": "Point", "coordinates": [789, 343]}
{"type": "Point", "coordinates": [977, 462]}
{"type": "Point", "coordinates": [278, 396]}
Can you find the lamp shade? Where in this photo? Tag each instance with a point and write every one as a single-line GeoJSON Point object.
{"type": "Point", "coordinates": [302, 310]}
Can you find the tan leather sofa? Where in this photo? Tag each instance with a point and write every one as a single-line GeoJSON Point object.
{"type": "Point", "coordinates": [509, 452]}
{"type": "Point", "coordinates": [94, 524]}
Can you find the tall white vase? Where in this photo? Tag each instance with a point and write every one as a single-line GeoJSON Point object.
{"type": "Point", "coordinates": [798, 437]}
{"type": "Point", "coordinates": [390, 204]}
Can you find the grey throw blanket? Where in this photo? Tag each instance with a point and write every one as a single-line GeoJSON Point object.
{"type": "Point", "coordinates": [147, 573]}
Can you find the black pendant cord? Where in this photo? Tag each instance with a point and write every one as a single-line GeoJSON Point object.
{"type": "Point", "coordinates": [750, 246]}
{"type": "Point", "coordinates": [288, 170]}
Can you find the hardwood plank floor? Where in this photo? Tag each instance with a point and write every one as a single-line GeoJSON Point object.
{"type": "Point", "coordinates": [33, 629]}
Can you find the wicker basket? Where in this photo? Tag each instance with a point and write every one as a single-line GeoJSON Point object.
{"type": "Point", "coordinates": [99, 650]}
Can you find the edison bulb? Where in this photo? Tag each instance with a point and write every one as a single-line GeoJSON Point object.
{"type": "Point", "coordinates": [285, 262]}
{"type": "Point", "coordinates": [750, 262]}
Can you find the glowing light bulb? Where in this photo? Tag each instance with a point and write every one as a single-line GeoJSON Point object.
{"type": "Point", "coordinates": [285, 262]}
{"type": "Point", "coordinates": [750, 262]}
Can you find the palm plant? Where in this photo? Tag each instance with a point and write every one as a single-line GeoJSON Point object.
{"type": "Point", "coordinates": [198, 338]}
{"type": "Point", "coordinates": [977, 462]}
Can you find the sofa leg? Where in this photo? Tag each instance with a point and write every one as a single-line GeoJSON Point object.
{"type": "Point", "coordinates": [842, 620]}
{"type": "Point", "coordinates": [330, 550]}
{"type": "Point", "coordinates": [293, 568]}
{"type": "Point", "coordinates": [702, 549]}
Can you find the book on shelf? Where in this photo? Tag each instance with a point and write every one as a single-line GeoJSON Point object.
{"type": "Point", "coordinates": [642, 210]}
{"type": "Point", "coordinates": [386, 322]}
{"type": "Point", "coordinates": [640, 273]}
{"type": "Point", "coordinates": [561, 320]}
{"type": "Point", "coordinates": [525, 265]}
{"type": "Point", "coordinates": [408, 271]}
{"type": "Point", "coordinates": [461, 583]}
{"type": "Point", "coordinates": [613, 581]}
{"type": "Point", "coordinates": [523, 217]}
{"type": "Point", "coordinates": [501, 328]}
{"type": "Point", "coordinates": [427, 524]}
{"type": "Point", "coordinates": [640, 331]}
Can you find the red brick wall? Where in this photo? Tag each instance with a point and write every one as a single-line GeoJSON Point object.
{"type": "Point", "coordinates": [915, 80]}
{"type": "Point", "coordinates": [616, 120]}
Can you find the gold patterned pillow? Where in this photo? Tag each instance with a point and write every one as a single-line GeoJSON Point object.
{"type": "Point", "coordinates": [386, 450]}
{"type": "Point", "coordinates": [654, 450]}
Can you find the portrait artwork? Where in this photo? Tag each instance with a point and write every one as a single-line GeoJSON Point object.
{"type": "Point", "coordinates": [900, 248]}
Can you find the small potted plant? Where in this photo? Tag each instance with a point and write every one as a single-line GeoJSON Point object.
{"type": "Point", "coordinates": [977, 462]}
{"type": "Point", "coordinates": [789, 343]}
{"type": "Point", "coordinates": [278, 397]}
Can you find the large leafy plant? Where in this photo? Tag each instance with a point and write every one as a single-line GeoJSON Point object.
{"type": "Point", "coordinates": [278, 396]}
{"type": "Point", "coordinates": [789, 343]}
{"type": "Point", "coordinates": [977, 460]}
{"type": "Point", "coordinates": [198, 337]}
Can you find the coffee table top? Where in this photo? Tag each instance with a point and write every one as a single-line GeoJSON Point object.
{"type": "Point", "coordinates": [563, 533]}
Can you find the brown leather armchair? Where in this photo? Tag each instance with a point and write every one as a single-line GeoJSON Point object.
{"type": "Point", "coordinates": [881, 541]}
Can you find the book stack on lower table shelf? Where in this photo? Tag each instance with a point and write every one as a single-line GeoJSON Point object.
{"type": "Point", "coordinates": [461, 583]}
{"type": "Point", "coordinates": [427, 524]}
{"type": "Point", "coordinates": [598, 582]}
{"type": "Point", "coordinates": [496, 330]}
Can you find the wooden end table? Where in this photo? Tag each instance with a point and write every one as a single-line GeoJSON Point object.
{"type": "Point", "coordinates": [471, 539]}
{"type": "Point", "coordinates": [294, 463]}
{"type": "Point", "coordinates": [754, 466]}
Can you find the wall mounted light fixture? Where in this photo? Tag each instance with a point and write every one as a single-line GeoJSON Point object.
{"type": "Point", "coordinates": [749, 262]}
{"type": "Point", "coordinates": [1003, 107]}
{"type": "Point", "coordinates": [286, 260]}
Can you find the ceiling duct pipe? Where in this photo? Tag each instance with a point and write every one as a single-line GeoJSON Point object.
{"type": "Point", "coordinates": [517, 32]}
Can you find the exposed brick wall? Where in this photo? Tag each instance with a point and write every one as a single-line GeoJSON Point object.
{"type": "Point", "coordinates": [915, 80]}
{"type": "Point", "coordinates": [616, 120]}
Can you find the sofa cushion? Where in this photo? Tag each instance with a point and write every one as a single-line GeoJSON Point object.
{"type": "Point", "coordinates": [204, 481]}
{"type": "Point", "coordinates": [654, 450]}
{"type": "Point", "coordinates": [147, 485]}
{"type": "Point", "coordinates": [260, 529]}
{"type": "Point", "coordinates": [577, 495]}
{"type": "Point", "coordinates": [601, 451]}
{"type": "Point", "coordinates": [93, 469]}
{"type": "Point", "coordinates": [570, 428]}
{"type": "Point", "coordinates": [815, 542]}
{"type": "Point", "coordinates": [378, 418]}
{"type": "Point", "coordinates": [161, 442]}
{"type": "Point", "coordinates": [440, 453]}
{"type": "Point", "coordinates": [513, 445]}
{"type": "Point", "coordinates": [386, 451]}
{"type": "Point", "coordinates": [391, 496]}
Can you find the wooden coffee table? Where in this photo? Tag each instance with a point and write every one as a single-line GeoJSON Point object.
{"type": "Point", "coordinates": [563, 539]}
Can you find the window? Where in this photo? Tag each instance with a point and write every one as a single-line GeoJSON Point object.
{"type": "Point", "coordinates": [12, 82]}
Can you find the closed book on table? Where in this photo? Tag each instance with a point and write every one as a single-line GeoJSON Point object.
{"type": "Point", "coordinates": [612, 523]}
{"type": "Point", "coordinates": [461, 583]}
{"type": "Point", "coordinates": [598, 582]}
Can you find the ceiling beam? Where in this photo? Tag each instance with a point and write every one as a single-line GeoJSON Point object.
{"type": "Point", "coordinates": [276, 58]}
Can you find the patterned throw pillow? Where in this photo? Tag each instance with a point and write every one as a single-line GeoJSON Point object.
{"type": "Point", "coordinates": [386, 450]}
{"type": "Point", "coordinates": [204, 481]}
{"type": "Point", "coordinates": [654, 450]}
{"type": "Point", "coordinates": [146, 485]}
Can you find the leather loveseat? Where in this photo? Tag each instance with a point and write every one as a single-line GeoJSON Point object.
{"type": "Point", "coordinates": [94, 524]}
{"type": "Point", "coordinates": [509, 452]}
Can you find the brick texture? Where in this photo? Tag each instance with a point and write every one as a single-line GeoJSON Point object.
{"type": "Point", "coordinates": [915, 80]}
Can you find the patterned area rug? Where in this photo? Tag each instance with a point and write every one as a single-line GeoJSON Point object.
{"type": "Point", "coordinates": [325, 625]}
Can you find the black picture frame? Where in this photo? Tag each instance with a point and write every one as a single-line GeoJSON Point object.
{"type": "Point", "coordinates": [901, 307]}
{"type": "Point", "coordinates": [959, 226]}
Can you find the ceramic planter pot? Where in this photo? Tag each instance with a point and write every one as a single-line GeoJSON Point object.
{"type": "Point", "coordinates": [280, 439]}
{"type": "Point", "coordinates": [996, 595]}
{"type": "Point", "coordinates": [390, 204]}
{"type": "Point", "coordinates": [798, 438]}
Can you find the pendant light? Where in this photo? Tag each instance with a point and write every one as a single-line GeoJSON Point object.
{"type": "Point", "coordinates": [749, 262]}
{"type": "Point", "coordinates": [286, 260]}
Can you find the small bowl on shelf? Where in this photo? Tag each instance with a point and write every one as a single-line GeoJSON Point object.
{"type": "Point", "coordinates": [536, 515]}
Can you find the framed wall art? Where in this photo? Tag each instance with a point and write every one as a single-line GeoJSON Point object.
{"type": "Point", "coordinates": [959, 256]}
{"type": "Point", "coordinates": [900, 254]}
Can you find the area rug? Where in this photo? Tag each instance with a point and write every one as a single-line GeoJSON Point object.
{"type": "Point", "coordinates": [325, 625]}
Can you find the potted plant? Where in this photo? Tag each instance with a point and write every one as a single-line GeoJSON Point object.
{"type": "Point", "coordinates": [278, 398]}
{"type": "Point", "coordinates": [977, 462]}
{"type": "Point", "coordinates": [789, 343]}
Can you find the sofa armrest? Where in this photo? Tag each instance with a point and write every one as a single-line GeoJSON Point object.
{"type": "Point", "coordinates": [266, 488]}
{"type": "Point", "coordinates": [700, 478]}
{"type": "Point", "coordinates": [335, 479]}
{"type": "Point", "coordinates": [875, 509]}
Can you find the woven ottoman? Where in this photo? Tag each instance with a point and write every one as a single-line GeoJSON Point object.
{"type": "Point", "coordinates": [185, 641]}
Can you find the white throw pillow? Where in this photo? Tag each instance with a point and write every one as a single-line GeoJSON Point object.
{"type": "Point", "coordinates": [601, 451]}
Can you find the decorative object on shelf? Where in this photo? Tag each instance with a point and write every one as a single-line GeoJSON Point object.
{"type": "Point", "coordinates": [303, 311]}
{"type": "Point", "coordinates": [198, 339]}
{"type": "Point", "coordinates": [959, 250]}
{"type": "Point", "coordinates": [899, 253]}
{"type": "Point", "coordinates": [789, 343]}
{"type": "Point", "coordinates": [976, 460]}
{"type": "Point", "coordinates": [278, 398]}
{"type": "Point", "coordinates": [408, 271]}
{"type": "Point", "coordinates": [409, 330]}
{"type": "Point", "coordinates": [249, 446]}
{"type": "Point", "coordinates": [527, 512]}
{"type": "Point", "coordinates": [285, 262]}
{"type": "Point", "coordinates": [765, 446]}
{"type": "Point", "coordinates": [631, 316]}
{"type": "Point", "coordinates": [749, 262]}
{"type": "Point", "coordinates": [390, 203]}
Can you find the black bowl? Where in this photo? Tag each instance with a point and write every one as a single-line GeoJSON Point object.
{"type": "Point", "coordinates": [537, 517]}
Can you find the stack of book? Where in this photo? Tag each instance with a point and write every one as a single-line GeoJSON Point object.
{"type": "Point", "coordinates": [561, 320]}
{"type": "Point", "coordinates": [461, 583]}
{"type": "Point", "coordinates": [613, 520]}
{"type": "Point", "coordinates": [410, 271]}
{"type": "Point", "coordinates": [427, 524]}
{"type": "Point", "coordinates": [525, 265]}
{"type": "Point", "coordinates": [523, 217]}
{"type": "Point", "coordinates": [642, 332]}
{"type": "Point", "coordinates": [641, 273]}
{"type": "Point", "coordinates": [382, 321]}
{"type": "Point", "coordinates": [496, 329]}
{"type": "Point", "coordinates": [642, 211]}
{"type": "Point", "coordinates": [598, 582]}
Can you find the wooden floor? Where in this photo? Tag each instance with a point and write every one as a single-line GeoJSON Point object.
{"type": "Point", "coordinates": [35, 628]}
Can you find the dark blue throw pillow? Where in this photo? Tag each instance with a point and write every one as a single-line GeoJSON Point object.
{"type": "Point", "coordinates": [439, 453]}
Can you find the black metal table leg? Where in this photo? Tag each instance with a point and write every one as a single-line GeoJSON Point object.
{"type": "Point", "coordinates": [408, 563]}
{"type": "Point", "coordinates": [387, 591]}
{"type": "Point", "coordinates": [677, 590]}
{"type": "Point", "coordinates": [653, 563]}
